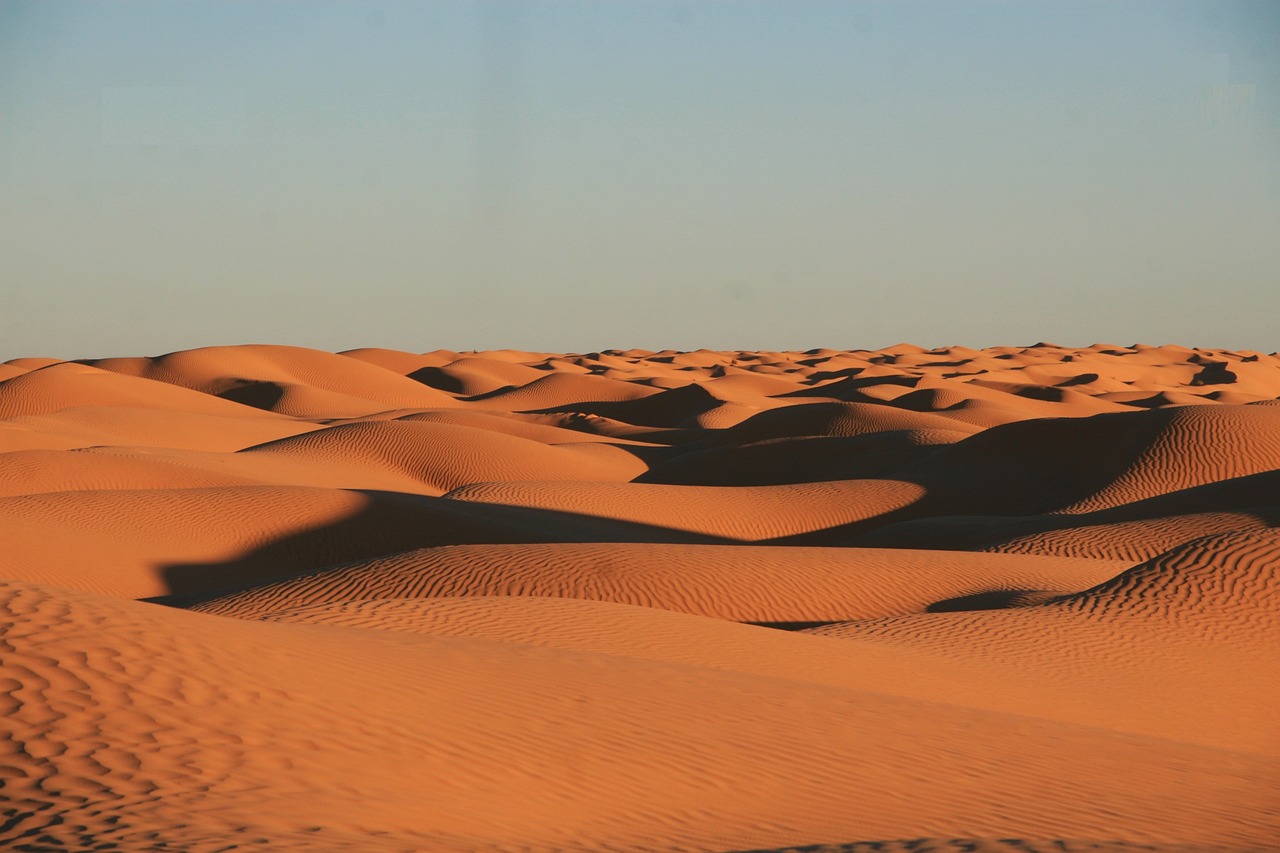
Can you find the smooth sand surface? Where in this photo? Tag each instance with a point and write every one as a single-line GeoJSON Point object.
{"type": "Point", "coordinates": [1013, 599]}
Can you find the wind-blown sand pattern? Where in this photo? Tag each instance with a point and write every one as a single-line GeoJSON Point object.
{"type": "Point", "coordinates": [1014, 599]}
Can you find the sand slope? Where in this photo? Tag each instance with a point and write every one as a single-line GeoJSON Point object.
{"type": "Point", "coordinates": [218, 731]}
{"type": "Point", "coordinates": [1021, 598]}
{"type": "Point", "coordinates": [739, 583]}
{"type": "Point", "coordinates": [1190, 635]}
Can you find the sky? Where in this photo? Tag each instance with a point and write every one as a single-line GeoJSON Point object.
{"type": "Point", "coordinates": [575, 176]}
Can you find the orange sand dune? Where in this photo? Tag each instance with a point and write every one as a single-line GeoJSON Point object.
{"type": "Point", "coordinates": [1192, 634]}
{"type": "Point", "coordinates": [149, 542]}
{"type": "Point", "coordinates": [1093, 538]}
{"type": "Point", "coordinates": [804, 459]}
{"type": "Point", "coordinates": [67, 385]}
{"type": "Point", "coordinates": [837, 419]}
{"type": "Point", "coordinates": [113, 425]}
{"type": "Point", "coordinates": [749, 513]}
{"type": "Point", "coordinates": [561, 389]}
{"type": "Point", "coordinates": [682, 404]}
{"type": "Point", "coordinates": [34, 472]}
{"type": "Point", "coordinates": [398, 361]}
{"type": "Point", "coordinates": [1081, 464]}
{"type": "Point", "coordinates": [1019, 598]}
{"type": "Point", "coordinates": [254, 372]}
{"type": "Point", "coordinates": [472, 376]}
{"type": "Point", "coordinates": [444, 456]}
{"type": "Point", "coordinates": [547, 429]}
{"type": "Point", "coordinates": [1080, 694]}
{"type": "Point", "coordinates": [744, 584]}
{"type": "Point", "coordinates": [33, 362]}
{"type": "Point", "coordinates": [395, 454]}
{"type": "Point", "coordinates": [1138, 540]}
{"type": "Point", "coordinates": [198, 731]}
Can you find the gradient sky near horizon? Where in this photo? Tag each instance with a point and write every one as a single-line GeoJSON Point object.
{"type": "Point", "coordinates": [574, 176]}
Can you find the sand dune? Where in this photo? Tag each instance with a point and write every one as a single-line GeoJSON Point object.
{"type": "Point", "coordinates": [473, 376]}
{"type": "Point", "coordinates": [803, 459]}
{"type": "Point", "coordinates": [548, 429]}
{"type": "Point", "coordinates": [149, 542]}
{"type": "Point", "coordinates": [748, 513]}
{"type": "Point", "coordinates": [222, 730]}
{"type": "Point", "coordinates": [398, 361]}
{"type": "Point", "coordinates": [1021, 598]}
{"type": "Point", "coordinates": [837, 419]}
{"type": "Point", "coordinates": [445, 456]}
{"type": "Point", "coordinates": [68, 385]}
{"type": "Point", "coordinates": [1182, 640]}
{"type": "Point", "coordinates": [1022, 477]}
{"type": "Point", "coordinates": [745, 584]}
{"type": "Point", "coordinates": [114, 426]}
{"type": "Point", "coordinates": [312, 376]}
{"type": "Point", "coordinates": [1079, 465]}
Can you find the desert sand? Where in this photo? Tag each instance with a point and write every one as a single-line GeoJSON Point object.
{"type": "Point", "coordinates": [1011, 599]}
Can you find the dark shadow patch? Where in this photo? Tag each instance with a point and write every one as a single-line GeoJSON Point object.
{"type": "Point", "coordinates": [792, 459]}
{"type": "Point", "coordinates": [1082, 379]}
{"type": "Point", "coordinates": [792, 626]}
{"type": "Point", "coordinates": [1214, 373]}
{"type": "Point", "coordinates": [394, 522]}
{"type": "Point", "coordinates": [255, 393]}
{"type": "Point", "coordinates": [996, 599]}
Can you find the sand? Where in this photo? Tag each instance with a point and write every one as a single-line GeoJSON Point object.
{"type": "Point", "coordinates": [1012, 599]}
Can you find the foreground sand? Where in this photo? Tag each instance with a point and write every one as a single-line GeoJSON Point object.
{"type": "Point", "coordinates": [1002, 600]}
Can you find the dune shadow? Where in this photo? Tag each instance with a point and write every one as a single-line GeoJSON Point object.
{"type": "Point", "coordinates": [255, 393]}
{"type": "Point", "coordinates": [995, 599]}
{"type": "Point", "coordinates": [1255, 496]}
{"type": "Point", "coordinates": [792, 626]}
{"type": "Point", "coordinates": [393, 522]}
{"type": "Point", "coordinates": [434, 377]}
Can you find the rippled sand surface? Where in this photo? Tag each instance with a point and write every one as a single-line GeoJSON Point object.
{"type": "Point", "coordinates": [1013, 599]}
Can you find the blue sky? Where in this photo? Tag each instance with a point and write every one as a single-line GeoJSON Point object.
{"type": "Point", "coordinates": [574, 176]}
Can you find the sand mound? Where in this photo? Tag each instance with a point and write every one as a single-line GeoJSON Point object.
{"type": "Point", "coordinates": [1017, 598]}
{"type": "Point", "coordinates": [799, 460]}
{"type": "Point", "coordinates": [1232, 577]}
{"type": "Point", "coordinates": [1138, 540]}
{"type": "Point", "coordinates": [1133, 531]}
{"type": "Point", "coordinates": [557, 390]}
{"type": "Point", "coordinates": [67, 385]}
{"type": "Point", "coordinates": [398, 361]}
{"type": "Point", "coordinates": [1080, 464]}
{"type": "Point", "coordinates": [445, 456]}
{"type": "Point", "coordinates": [749, 513]}
{"type": "Point", "coordinates": [97, 426]}
{"type": "Point", "coordinates": [837, 419]}
{"type": "Point", "coordinates": [190, 731]}
{"type": "Point", "coordinates": [745, 584]}
{"type": "Point", "coordinates": [546, 429]}
{"type": "Point", "coordinates": [259, 372]}
{"type": "Point", "coordinates": [39, 471]}
{"type": "Point", "coordinates": [1192, 447]}
{"type": "Point", "coordinates": [472, 376]}
{"type": "Point", "coordinates": [143, 543]}
{"type": "Point", "coordinates": [1178, 644]}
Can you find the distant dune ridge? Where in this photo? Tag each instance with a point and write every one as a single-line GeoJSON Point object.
{"type": "Point", "coordinates": [1011, 599]}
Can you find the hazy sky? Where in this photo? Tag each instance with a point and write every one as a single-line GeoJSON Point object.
{"type": "Point", "coordinates": [575, 176]}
